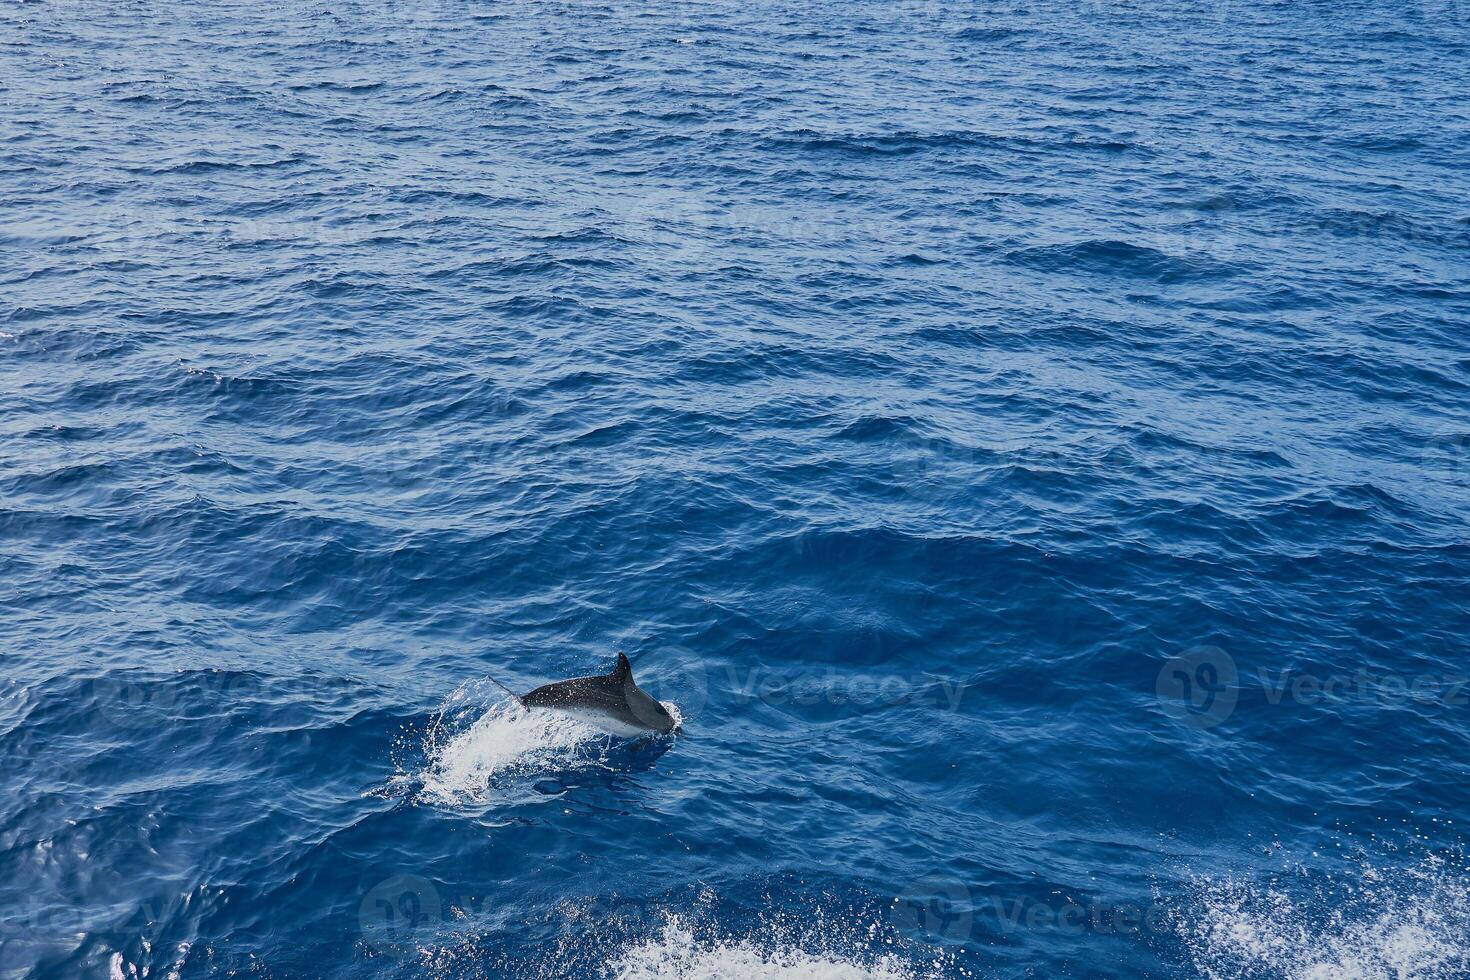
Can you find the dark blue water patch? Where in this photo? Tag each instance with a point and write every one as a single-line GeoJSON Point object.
{"type": "Point", "coordinates": [988, 33]}
{"type": "Point", "coordinates": [1119, 259]}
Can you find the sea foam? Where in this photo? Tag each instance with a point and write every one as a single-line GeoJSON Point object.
{"type": "Point", "coordinates": [1402, 924]}
{"type": "Point", "coordinates": [679, 951]}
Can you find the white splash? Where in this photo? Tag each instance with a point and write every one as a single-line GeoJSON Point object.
{"type": "Point", "coordinates": [507, 740]}
{"type": "Point", "coordinates": [485, 748]}
{"type": "Point", "coordinates": [1407, 925]}
{"type": "Point", "coordinates": [677, 952]}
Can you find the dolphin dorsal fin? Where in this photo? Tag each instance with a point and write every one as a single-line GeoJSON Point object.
{"type": "Point", "coordinates": [624, 670]}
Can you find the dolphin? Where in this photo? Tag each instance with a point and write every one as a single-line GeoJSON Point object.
{"type": "Point", "coordinates": [612, 702]}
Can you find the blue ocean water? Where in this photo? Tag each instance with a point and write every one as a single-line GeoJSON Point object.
{"type": "Point", "coordinates": [1028, 444]}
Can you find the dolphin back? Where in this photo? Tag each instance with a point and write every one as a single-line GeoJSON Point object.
{"type": "Point", "coordinates": [573, 693]}
{"type": "Point", "coordinates": [614, 694]}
